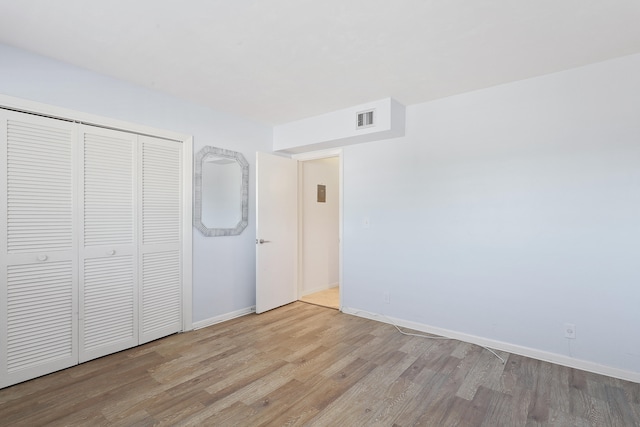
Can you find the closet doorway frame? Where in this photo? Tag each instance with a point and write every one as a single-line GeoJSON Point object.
{"type": "Point", "coordinates": [60, 113]}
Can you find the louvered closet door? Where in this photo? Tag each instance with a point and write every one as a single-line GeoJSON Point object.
{"type": "Point", "coordinates": [160, 235]}
{"type": "Point", "coordinates": [108, 252]}
{"type": "Point", "coordinates": [38, 247]}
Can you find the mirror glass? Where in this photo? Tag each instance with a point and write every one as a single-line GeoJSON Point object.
{"type": "Point", "coordinates": [221, 179]}
{"type": "Point", "coordinates": [222, 198]}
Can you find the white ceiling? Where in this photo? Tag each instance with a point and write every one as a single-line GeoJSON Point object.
{"type": "Point", "coordinates": [275, 61]}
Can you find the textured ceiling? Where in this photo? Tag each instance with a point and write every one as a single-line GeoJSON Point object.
{"type": "Point", "coordinates": [275, 61]}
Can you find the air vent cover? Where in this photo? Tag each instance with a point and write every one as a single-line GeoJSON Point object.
{"type": "Point", "coordinates": [365, 119]}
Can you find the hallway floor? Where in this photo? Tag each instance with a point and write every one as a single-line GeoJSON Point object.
{"type": "Point", "coordinates": [327, 298]}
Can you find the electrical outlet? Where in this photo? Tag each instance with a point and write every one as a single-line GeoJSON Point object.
{"type": "Point", "coordinates": [387, 298]}
{"type": "Point", "coordinates": [570, 331]}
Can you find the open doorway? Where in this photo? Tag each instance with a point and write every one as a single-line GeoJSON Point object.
{"type": "Point", "coordinates": [319, 214]}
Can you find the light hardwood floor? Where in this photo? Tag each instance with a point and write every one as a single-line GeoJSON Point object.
{"type": "Point", "coordinates": [327, 298]}
{"type": "Point", "coordinates": [307, 365]}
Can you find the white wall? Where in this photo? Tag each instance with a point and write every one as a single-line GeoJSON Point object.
{"type": "Point", "coordinates": [223, 267]}
{"type": "Point", "coordinates": [320, 251]}
{"type": "Point", "coordinates": [338, 128]}
{"type": "Point", "coordinates": [506, 212]}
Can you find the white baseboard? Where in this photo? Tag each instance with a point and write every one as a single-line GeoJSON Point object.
{"type": "Point", "coordinates": [559, 359]}
{"type": "Point", "coordinates": [223, 317]}
{"type": "Point", "coordinates": [319, 289]}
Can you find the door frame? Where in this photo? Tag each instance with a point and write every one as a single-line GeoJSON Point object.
{"type": "Point", "coordinates": [317, 155]}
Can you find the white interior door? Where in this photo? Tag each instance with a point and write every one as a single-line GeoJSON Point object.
{"type": "Point", "coordinates": [276, 231]}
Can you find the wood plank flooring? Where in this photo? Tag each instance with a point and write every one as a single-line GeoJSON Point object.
{"type": "Point", "coordinates": [307, 365]}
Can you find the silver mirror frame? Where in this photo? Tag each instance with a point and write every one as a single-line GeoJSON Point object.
{"type": "Point", "coordinates": [197, 192]}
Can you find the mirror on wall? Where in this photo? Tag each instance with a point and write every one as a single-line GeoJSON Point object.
{"type": "Point", "coordinates": [221, 192]}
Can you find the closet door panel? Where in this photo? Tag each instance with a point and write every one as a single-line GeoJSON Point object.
{"type": "Point", "coordinates": [40, 319]}
{"type": "Point", "coordinates": [161, 239]}
{"type": "Point", "coordinates": [108, 255]}
{"type": "Point", "coordinates": [108, 323]}
{"type": "Point", "coordinates": [38, 247]}
{"type": "Point", "coordinates": [40, 185]}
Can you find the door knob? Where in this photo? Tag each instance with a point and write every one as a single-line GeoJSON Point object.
{"type": "Point", "coordinates": [261, 241]}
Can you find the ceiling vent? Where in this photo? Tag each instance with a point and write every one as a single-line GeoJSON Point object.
{"type": "Point", "coordinates": [365, 119]}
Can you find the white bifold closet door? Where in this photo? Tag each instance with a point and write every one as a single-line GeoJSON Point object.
{"type": "Point", "coordinates": [108, 252]}
{"type": "Point", "coordinates": [132, 193]}
{"type": "Point", "coordinates": [91, 222]}
{"type": "Point", "coordinates": [160, 205]}
{"type": "Point", "coordinates": [39, 253]}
